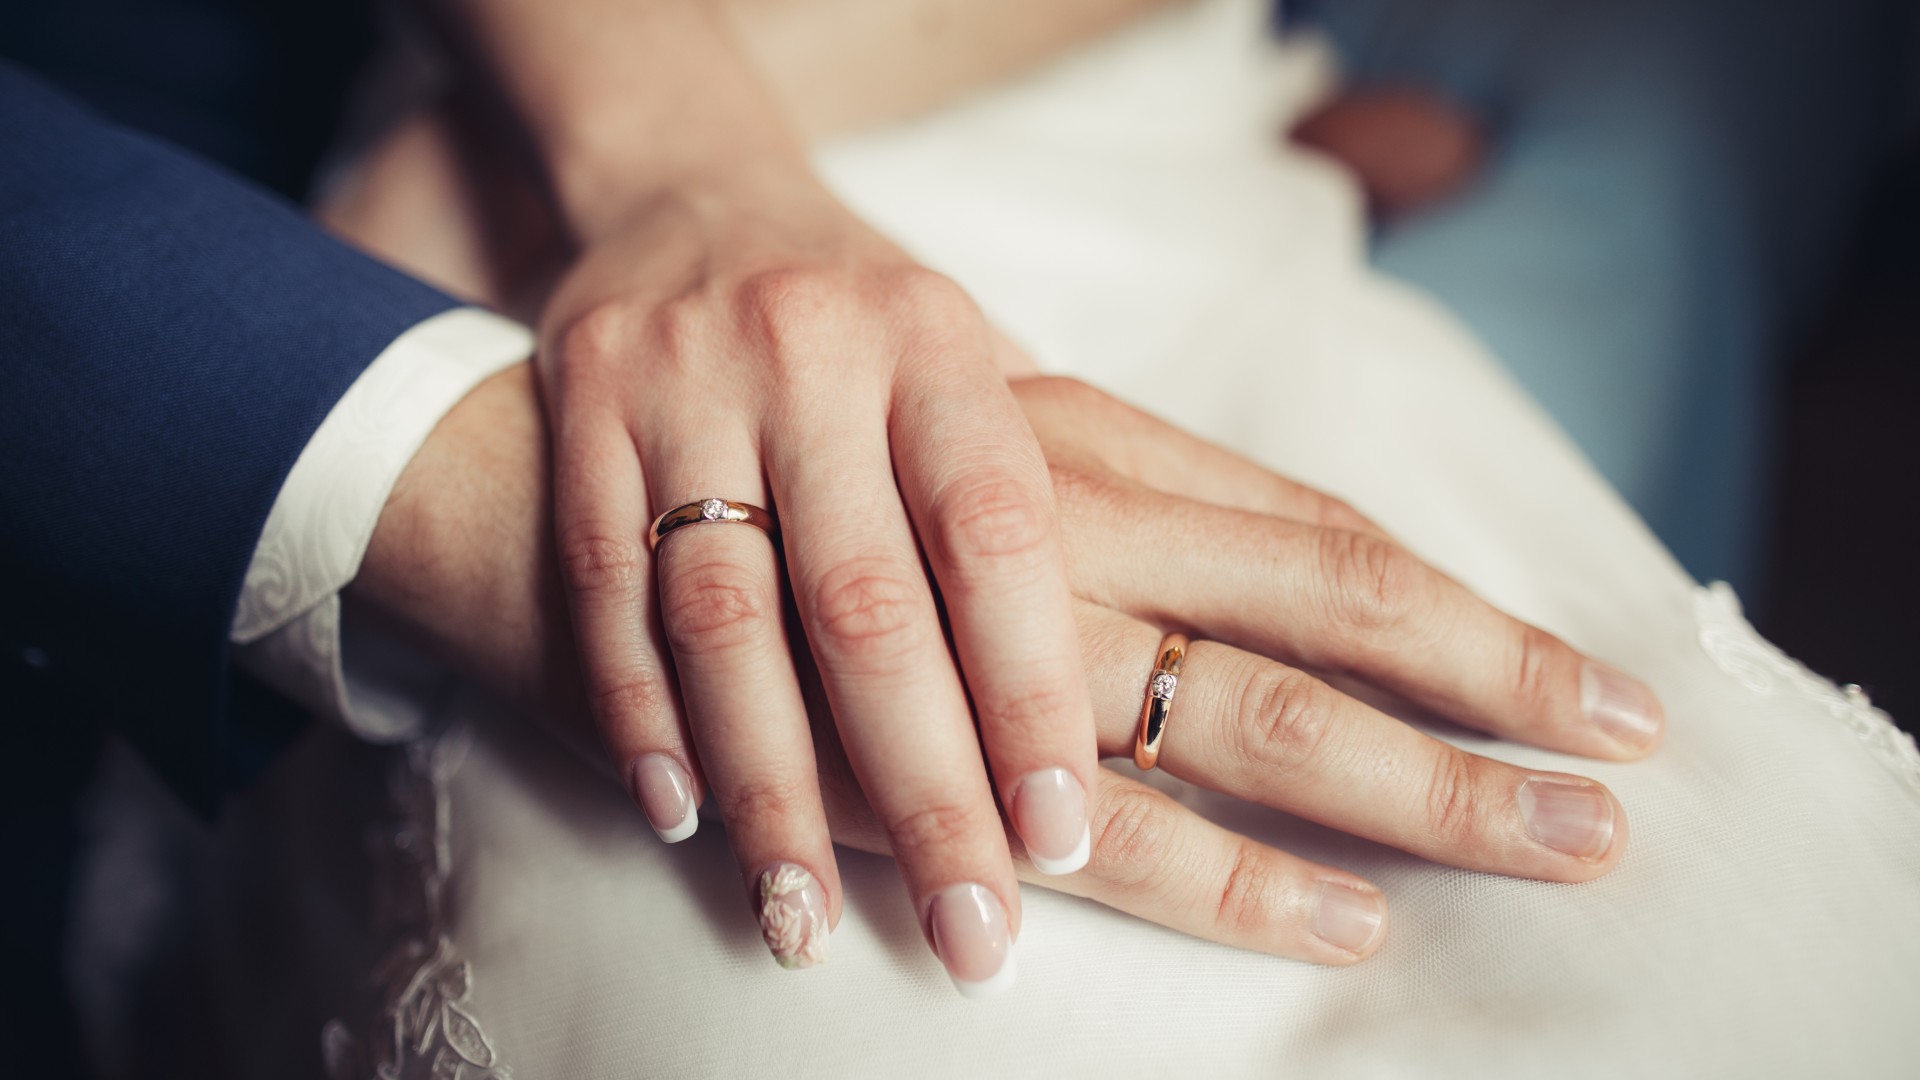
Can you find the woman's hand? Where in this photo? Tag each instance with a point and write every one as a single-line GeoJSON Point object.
{"type": "Point", "coordinates": [748, 339]}
{"type": "Point", "coordinates": [728, 330]}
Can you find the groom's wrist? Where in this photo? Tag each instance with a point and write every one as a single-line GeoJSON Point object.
{"type": "Point", "coordinates": [460, 559]}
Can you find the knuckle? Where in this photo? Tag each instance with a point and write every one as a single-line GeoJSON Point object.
{"type": "Point", "coordinates": [940, 826]}
{"type": "Point", "coordinates": [714, 607]}
{"type": "Point", "coordinates": [1376, 584]}
{"type": "Point", "coordinates": [1132, 837]}
{"type": "Point", "coordinates": [629, 699]}
{"type": "Point", "coordinates": [677, 326]}
{"type": "Point", "coordinates": [1036, 709]}
{"type": "Point", "coordinates": [866, 605]}
{"type": "Point", "coordinates": [1245, 903]}
{"type": "Point", "coordinates": [1536, 670]}
{"type": "Point", "coordinates": [1452, 804]}
{"type": "Point", "coordinates": [993, 518]}
{"type": "Point", "coordinates": [600, 562]}
{"type": "Point", "coordinates": [1286, 718]}
{"type": "Point", "coordinates": [786, 305]}
{"type": "Point", "coordinates": [765, 799]}
{"type": "Point", "coordinates": [596, 332]}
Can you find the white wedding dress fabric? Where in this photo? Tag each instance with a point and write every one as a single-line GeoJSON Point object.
{"type": "Point", "coordinates": [479, 903]}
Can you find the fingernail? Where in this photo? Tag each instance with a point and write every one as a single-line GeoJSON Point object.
{"type": "Point", "coordinates": [970, 934]}
{"type": "Point", "coordinates": [793, 916]}
{"type": "Point", "coordinates": [1573, 818]}
{"type": "Point", "coordinates": [665, 792]}
{"type": "Point", "coordinates": [1620, 705]}
{"type": "Point", "coordinates": [1050, 810]}
{"type": "Point", "coordinates": [1348, 918]}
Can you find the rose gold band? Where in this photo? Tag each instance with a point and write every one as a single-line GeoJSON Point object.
{"type": "Point", "coordinates": [705, 510]}
{"type": "Point", "coordinates": [1159, 703]}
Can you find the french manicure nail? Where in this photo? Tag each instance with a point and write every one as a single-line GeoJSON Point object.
{"type": "Point", "coordinates": [1576, 819]}
{"type": "Point", "coordinates": [1620, 705]}
{"type": "Point", "coordinates": [1348, 918]}
{"type": "Point", "coordinates": [1050, 811]}
{"type": "Point", "coordinates": [665, 792]}
{"type": "Point", "coordinates": [971, 935]}
{"type": "Point", "coordinates": [793, 916]}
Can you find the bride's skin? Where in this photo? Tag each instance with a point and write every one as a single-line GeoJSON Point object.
{"type": "Point", "coordinates": [463, 557]}
{"type": "Point", "coordinates": [725, 327]}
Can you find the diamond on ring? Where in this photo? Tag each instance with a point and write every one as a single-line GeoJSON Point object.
{"type": "Point", "coordinates": [713, 509]}
{"type": "Point", "coordinates": [1163, 685]}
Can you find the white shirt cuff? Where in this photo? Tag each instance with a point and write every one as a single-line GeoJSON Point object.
{"type": "Point", "coordinates": [286, 630]}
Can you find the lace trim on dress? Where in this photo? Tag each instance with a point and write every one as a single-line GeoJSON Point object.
{"type": "Point", "coordinates": [1760, 666]}
{"type": "Point", "coordinates": [420, 1026]}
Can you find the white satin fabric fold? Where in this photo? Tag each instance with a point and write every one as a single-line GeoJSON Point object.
{"type": "Point", "coordinates": [1132, 217]}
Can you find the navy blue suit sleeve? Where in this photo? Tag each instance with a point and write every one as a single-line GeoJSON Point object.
{"type": "Point", "coordinates": [170, 338]}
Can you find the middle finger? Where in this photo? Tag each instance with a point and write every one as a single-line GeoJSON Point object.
{"type": "Point", "coordinates": [897, 703]}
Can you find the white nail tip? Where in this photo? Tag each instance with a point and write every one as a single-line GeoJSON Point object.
{"type": "Point", "coordinates": [687, 827]}
{"type": "Point", "coordinates": [1073, 863]}
{"type": "Point", "coordinates": [1001, 982]}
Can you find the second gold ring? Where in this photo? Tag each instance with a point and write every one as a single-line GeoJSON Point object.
{"type": "Point", "coordinates": [1159, 703]}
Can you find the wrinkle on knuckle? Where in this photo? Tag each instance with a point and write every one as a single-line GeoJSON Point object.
{"type": "Point", "coordinates": [1132, 837]}
{"type": "Point", "coordinates": [601, 562]}
{"type": "Point", "coordinates": [993, 519]}
{"type": "Point", "coordinates": [1033, 709]}
{"type": "Point", "coordinates": [714, 607]}
{"type": "Point", "coordinates": [938, 826]}
{"type": "Point", "coordinates": [773, 799]}
{"type": "Point", "coordinates": [1244, 906]}
{"type": "Point", "coordinates": [1286, 717]}
{"type": "Point", "coordinates": [866, 606]}
{"type": "Point", "coordinates": [1536, 668]}
{"type": "Point", "coordinates": [629, 699]}
{"type": "Point", "coordinates": [1376, 584]}
{"type": "Point", "coordinates": [1452, 798]}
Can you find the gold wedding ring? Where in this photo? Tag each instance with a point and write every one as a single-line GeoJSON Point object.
{"type": "Point", "coordinates": [705, 510]}
{"type": "Point", "coordinates": [1159, 703]}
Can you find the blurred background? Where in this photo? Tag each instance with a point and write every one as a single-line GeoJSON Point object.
{"type": "Point", "coordinates": [1692, 229]}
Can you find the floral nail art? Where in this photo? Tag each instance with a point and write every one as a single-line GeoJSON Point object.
{"type": "Point", "coordinates": [793, 916]}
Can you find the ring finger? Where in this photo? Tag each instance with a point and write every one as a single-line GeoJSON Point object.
{"type": "Point", "coordinates": [897, 702]}
{"type": "Point", "coordinates": [1256, 729]}
{"type": "Point", "coordinates": [720, 603]}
